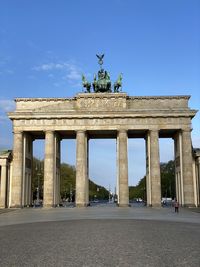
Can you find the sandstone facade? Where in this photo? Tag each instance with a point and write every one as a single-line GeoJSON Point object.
{"type": "Point", "coordinates": [102, 115]}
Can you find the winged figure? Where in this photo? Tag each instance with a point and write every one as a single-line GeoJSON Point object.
{"type": "Point", "coordinates": [100, 57]}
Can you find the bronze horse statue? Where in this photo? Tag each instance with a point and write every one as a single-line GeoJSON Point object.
{"type": "Point", "coordinates": [118, 84]}
{"type": "Point", "coordinates": [86, 84]}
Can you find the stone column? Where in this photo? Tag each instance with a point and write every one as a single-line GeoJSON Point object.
{"type": "Point", "coordinates": [17, 175]}
{"type": "Point", "coordinates": [198, 180]}
{"type": "Point", "coordinates": [81, 169]}
{"type": "Point", "coordinates": [49, 170]}
{"type": "Point", "coordinates": [148, 171]}
{"type": "Point", "coordinates": [123, 197]}
{"type": "Point", "coordinates": [3, 192]}
{"type": "Point", "coordinates": [57, 171]}
{"type": "Point", "coordinates": [179, 167]}
{"type": "Point", "coordinates": [87, 176]}
{"type": "Point", "coordinates": [187, 168]}
{"type": "Point", "coordinates": [154, 168]}
{"type": "Point", "coordinates": [27, 169]}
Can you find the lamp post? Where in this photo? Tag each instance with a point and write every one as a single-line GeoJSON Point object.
{"type": "Point", "coordinates": [70, 193]}
{"type": "Point", "coordinates": [38, 174]}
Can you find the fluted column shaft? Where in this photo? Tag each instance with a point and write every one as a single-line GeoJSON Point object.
{"type": "Point", "coordinates": [49, 170]}
{"type": "Point", "coordinates": [155, 168]}
{"type": "Point", "coordinates": [123, 190]}
{"type": "Point", "coordinates": [17, 176]}
{"type": "Point", "coordinates": [3, 186]}
{"type": "Point", "coordinates": [81, 169]}
{"type": "Point", "coordinates": [187, 168]}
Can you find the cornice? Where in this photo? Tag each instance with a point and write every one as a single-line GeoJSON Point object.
{"type": "Point", "coordinates": [97, 114]}
{"type": "Point", "coordinates": [43, 99]}
{"type": "Point", "coordinates": [100, 95]}
{"type": "Point", "coordinates": [160, 97]}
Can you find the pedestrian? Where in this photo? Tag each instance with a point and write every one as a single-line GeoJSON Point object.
{"type": "Point", "coordinates": [176, 206]}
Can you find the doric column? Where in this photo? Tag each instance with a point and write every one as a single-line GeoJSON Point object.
{"type": "Point", "coordinates": [187, 168]}
{"type": "Point", "coordinates": [49, 170]}
{"type": "Point", "coordinates": [123, 190]}
{"type": "Point", "coordinates": [87, 175]}
{"type": "Point", "coordinates": [27, 169]}
{"type": "Point", "coordinates": [154, 169]}
{"type": "Point", "coordinates": [57, 171]}
{"type": "Point", "coordinates": [17, 175]}
{"type": "Point", "coordinates": [81, 169]}
{"type": "Point", "coordinates": [148, 173]}
{"type": "Point", "coordinates": [3, 195]}
{"type": "Point", "coordinates": [198, 180]}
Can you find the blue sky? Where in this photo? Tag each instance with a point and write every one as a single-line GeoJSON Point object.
{"type": "Point", "coordinates": [45, 46]}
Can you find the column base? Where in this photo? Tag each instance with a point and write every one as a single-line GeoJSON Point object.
{"type": "Point", "coordinates": [81, 205]}
{"type": "Point", "coordinates": [16, 207]}
{"type": "Point", "coordinates": [156, 205]}
{"type": "Point", "coordinates": [189, 206]}
{"type": "Point", "coordinates": [48, 206]}
{"type": "Point", "coordinates": [123, 205]}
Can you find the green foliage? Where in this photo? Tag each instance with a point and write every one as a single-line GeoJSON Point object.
{"type": "Point", "coordinates": [37, 177]}
{"type": "Point", "coordinates": [138, 191]}
{"type": "Point", "coordinates": [168, 179]}
{"type": "Point", "coordinates": [97, 191]}
{"type": "Point", "coordinates": [67, 182]}
{"type": "Point", "coordinates": [167, 171]}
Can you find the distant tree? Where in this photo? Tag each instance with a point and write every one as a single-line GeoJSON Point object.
{"type": "Point", "coordinates": [37, 177]}
{"type": "Point", "coordinates": [167, 171]}
{"type": "Point", "coordinates": [138, 191]}
{"type": "Point", "coordinates": [97, 191]}
{"type": "Point", "coordinates": [67, 182]}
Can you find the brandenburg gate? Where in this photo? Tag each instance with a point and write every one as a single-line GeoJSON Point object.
{"type": "Point", "coordinates": [101, 114]}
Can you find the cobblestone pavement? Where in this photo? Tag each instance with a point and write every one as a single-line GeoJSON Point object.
{"type": "Point", "coordinates": [100, 236]}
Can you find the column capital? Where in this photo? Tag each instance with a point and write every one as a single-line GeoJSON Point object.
{"type": "Point", "coordinates": [18, 132]}
{"type": "Point", "coordinates": [187, 130]}
{"type": "Point", "coordinates": [122, 131]}
{"type": "Point", "coordinates": [4, 165]}
{"type": "Point", "coordinates": [49, 131]}
{"type": "Point", "coordinates": [198, 160]}
{"type": "Point", "coordinates": [154, 130]}
{"type": "Point", "coordinates": [81, 131]}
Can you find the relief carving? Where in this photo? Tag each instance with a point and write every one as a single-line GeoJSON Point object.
{"type": "Point", "coordinates": [101, 103]}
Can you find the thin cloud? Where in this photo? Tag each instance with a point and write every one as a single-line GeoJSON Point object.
{"type": "Point", "coordinates": [3, 118]}
{"type": "Point", "coordinates": [49, 66]}
{"type": "Point", "coordinates": [6, 105]}
{"type": "Point", "coordinates": [72, 72]}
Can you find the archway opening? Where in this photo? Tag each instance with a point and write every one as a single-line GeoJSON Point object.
{"type": "Point", "coordinates": [102, 171]}
{"type": "Point", "coordinates": [167, 171]}
{"type": "Point", "coordinates": [68, 172]}
{"type": "Point", "coordinates": [137, 171]}
{"type": "Point", "coordinates": [37, 184]}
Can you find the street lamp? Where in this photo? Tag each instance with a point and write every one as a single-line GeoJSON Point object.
{"type": "Point", "coordinates": [38, 173]}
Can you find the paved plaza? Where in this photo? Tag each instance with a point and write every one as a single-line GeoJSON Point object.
{"type": "Point", "coordinates": [100, 236]}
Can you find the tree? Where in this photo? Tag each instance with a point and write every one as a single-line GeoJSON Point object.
{"type": "Point", "coordinates": [97, 191]}
{"type": "Point", "coordinates": [138, 191]}
{"type": "Point", "coordinates": [37, 177]}
{"type": "Point", "coordinates": [167, 172]}
{"type": "Point", "coordinates": [67, 182]}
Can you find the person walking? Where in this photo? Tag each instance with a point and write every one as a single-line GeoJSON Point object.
{"type": "Point", "coordinates": [176, 206]}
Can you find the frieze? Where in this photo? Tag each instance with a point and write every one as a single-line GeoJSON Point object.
{"type": "Point", "coordinates": [103, 121]}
